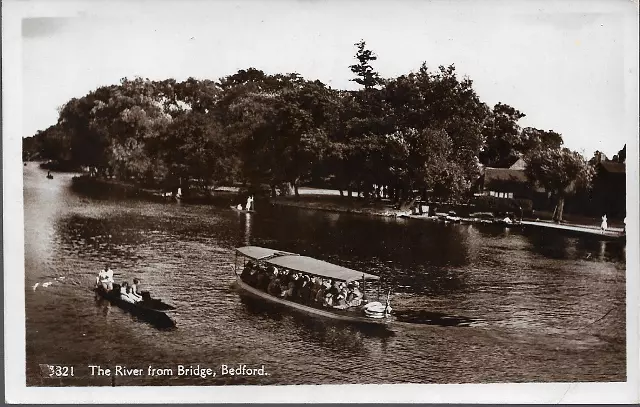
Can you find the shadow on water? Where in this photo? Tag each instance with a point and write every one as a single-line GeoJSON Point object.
{"type": "Point", "coordinates": [106, 307]}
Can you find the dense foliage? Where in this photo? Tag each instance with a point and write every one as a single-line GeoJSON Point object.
{"type": "Point", "coordinates": [425, 132]}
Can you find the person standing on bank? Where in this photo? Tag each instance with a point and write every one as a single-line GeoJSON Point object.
{"type": "Point", "coordinates": [603, 225]}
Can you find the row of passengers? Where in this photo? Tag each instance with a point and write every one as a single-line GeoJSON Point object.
{"type": "Point", "coordinates": [302, 288]}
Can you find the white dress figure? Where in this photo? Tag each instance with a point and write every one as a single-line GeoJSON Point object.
{"type": "Point", "coordinates": [603, 225]}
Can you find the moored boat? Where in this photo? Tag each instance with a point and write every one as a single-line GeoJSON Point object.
{"type": "Point", "coordinates": [149, 309]}
{"type": "Point", "coordinates": [307, 269]}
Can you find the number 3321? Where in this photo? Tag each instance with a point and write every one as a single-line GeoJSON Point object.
{"type": "Point", "coordinates": [60, 371]}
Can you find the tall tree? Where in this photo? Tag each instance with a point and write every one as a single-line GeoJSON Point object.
{"type": "Point", "coordinates": [559, 171]}
{"type": "Point", "coordinates": [365, 74]}
{"type": "Point", "coordinates": [503, 141]}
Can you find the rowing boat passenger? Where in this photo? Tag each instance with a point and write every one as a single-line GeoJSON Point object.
{"type": "Point", "coordinates": [105, 278]}
{"type": "Point", "coordinates": [127, 294]}
{"type": "Point", "coordinates": [136, 290]}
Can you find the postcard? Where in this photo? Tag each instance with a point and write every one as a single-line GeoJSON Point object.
{"type": "Point", "coordinates": [320, 201]}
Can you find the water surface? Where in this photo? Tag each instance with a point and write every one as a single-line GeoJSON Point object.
{"type": "Point", "coordinates": [489, 304]}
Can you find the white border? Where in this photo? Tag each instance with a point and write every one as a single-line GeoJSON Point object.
{"type": "Point", "coordinates": [17, 392]}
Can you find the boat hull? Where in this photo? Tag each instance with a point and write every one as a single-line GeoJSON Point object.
{"type": "Point", "coordinates": [311, 310]}
{"type": "Point", "coordinates": [153, 316]}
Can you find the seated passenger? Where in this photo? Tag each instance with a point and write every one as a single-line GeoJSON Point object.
{"type": "Point", "coordinates": [313, 290]}
{"type": "Point", "coordinates": [341, 301]}
{"type": "Point", "coordinates": [262, 280]}
{"type": "Point", "coordinates": [246, 270]}
{"type": "Point", "coordinates": [126, 293]}
{"type": "Point", "coordinates": [304, 290]}
{"type": "Point", "coordinates": [328, 299]}
{"type": "Point", "coordinates": [274, 287]}
{"type": "Point", "coordinates": [136, 290]}
{"type": "Point", "coordinates": [333, 289]}
{"type": "Point", "coordinates": [105, 278]}
{"type": "Point", "coordinates": [252, 278]}
{"type": "Point", "coordinates": [289, 290]}
{"type": "Point", "coordinates": [319, 298]}
{"type": "Point", "coordinates": [356, 297]}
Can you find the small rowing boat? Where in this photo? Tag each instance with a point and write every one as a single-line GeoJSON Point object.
{"type": "Point", "coordinates": [313, 272]}
{"type": "Point", "coordinates": [235, 208]}
{"type": "Point", "coordinates": [149, 309]}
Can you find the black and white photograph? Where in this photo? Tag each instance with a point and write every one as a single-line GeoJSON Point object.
{"type": "Point", "coordinates": [258, 201]}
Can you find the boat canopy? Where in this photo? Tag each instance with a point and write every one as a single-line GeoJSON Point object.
{"type": "Point", "coordinates": [260, 253]}
{"type": "Point", "coordinates": [319, 268]}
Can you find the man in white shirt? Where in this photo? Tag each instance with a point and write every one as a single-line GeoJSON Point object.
{"type": "Point", "coordinates": [105, 277]}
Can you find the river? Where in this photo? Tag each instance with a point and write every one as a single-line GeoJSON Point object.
{"type": "Point", "coordinates": [492, 304]}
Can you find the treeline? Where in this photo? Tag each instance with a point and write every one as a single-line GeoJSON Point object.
{"type": "Point", "coordinates": [427, 131]}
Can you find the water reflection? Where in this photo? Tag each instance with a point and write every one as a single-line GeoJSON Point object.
{"type": "Point", "coordinates": [247, 229]}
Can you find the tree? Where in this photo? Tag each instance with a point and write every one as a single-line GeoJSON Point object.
{"type": "Point", "coordinates": [621, 157]}
{"type": "Point", "coordinates": [442, 104]}
{"type": "Point", "coordinates": [559, 171]}
{"type": "Point", "coordinates": [536, 139]}
{"type": "Point", "coordinates": [365, 74]}
{"type": "Point", "coordinates": [503, 142]}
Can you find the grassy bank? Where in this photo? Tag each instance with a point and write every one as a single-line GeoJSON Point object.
{"type": "Point", "coordinates": [112, 188]}
{"type": "Point", "coordinates": [330, 200]}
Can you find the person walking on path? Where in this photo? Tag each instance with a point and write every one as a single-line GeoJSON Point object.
{"type": "Point", "coordinates": [603, 225]}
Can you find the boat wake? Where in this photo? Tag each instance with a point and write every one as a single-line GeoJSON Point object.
{"type": "Point", "coordinates": [423, 317]}
{"type": "Point", "coordinates": [55, 281]}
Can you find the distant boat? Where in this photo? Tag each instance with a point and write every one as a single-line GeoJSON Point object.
{"type": "Point", "coordinates": [49, 175]}
{"type": "Point", "coordinates": [235, 208]}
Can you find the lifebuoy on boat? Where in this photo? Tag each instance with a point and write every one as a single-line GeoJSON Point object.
{"type": "Point", "coordinates": [376, 310]}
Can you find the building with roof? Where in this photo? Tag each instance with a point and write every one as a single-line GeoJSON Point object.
{"type": "Point", "coordinates": [509, 182]}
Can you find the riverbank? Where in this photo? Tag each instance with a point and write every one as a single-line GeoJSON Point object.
{"type": "Point", "coordinates": [329, 200]}
{"type": "Point", "coordinates": [112, 188]}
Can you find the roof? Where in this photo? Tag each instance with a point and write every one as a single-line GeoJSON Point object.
{"type": "Point", "coordinates": [613, 167]}
{"type": "Point", "coordinates": [521, 164]}
{"type": "Point", "coordinates": [504, 175]}
{"type": "Point", "coordinates": [320, 268]}
{"type": "Point", "coordinates": [260, 253]}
